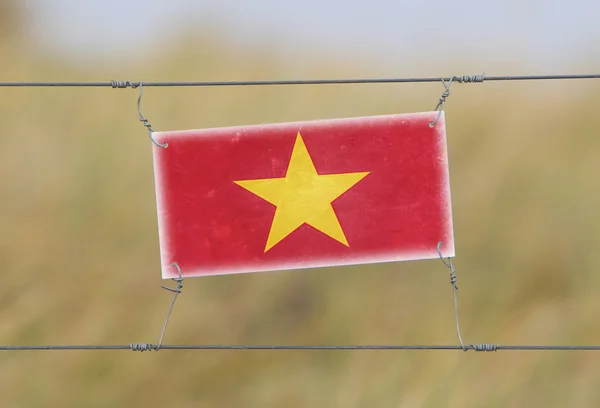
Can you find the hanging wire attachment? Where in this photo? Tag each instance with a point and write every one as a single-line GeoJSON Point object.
{"type": "Point", "coordinates": [455, 290]}
{"type": "Point", "coordinates": [465, 79]}
{"type": "Point", "coordinates": [133, 85]}
{"type": "Point", "coordinates": [147, 346]}
{"type": "Point", "coordinates": [476, 347]}
{"type": "Point", "coordinates": [176, 291]}
{"type": "Point", "coordinates": [143, 119]}
{"type": "Point", "coordinates": [440, 105]}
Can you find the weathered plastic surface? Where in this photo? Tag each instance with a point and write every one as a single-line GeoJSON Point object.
{"type": "Point", "coordinates": [358, 191]}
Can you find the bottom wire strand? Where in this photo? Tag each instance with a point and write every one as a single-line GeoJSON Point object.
{"type": "Point", "coordinates": [147, 347]}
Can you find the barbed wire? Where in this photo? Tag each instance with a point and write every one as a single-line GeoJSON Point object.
{"type": "Point", "coordinates": [459, 79]}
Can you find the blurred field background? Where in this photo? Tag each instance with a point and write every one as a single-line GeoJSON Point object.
{"type": "Point", "coordinates": [79, 247]}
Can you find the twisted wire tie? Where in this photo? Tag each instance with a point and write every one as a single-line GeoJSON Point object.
{"type": "Point", "coordinates": [123, 84]}
{"type": "Point", "coordinates": [484, 347]}
{"type": "Point", "coordinates": [468, 79]}
{"type": "Point", "coordinates": [444, 96]}
{"type": "Point", "coordinates": [145, 122]}
{"type": "Point", "coordinates": [141, 347]}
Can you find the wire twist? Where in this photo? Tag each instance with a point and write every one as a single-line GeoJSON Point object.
{"type": "Point", "coordinates": [176, 292]}
{"type": "Point", "coordinates": [484, 347]}
{"type": "Point", "coordinates": [124, 84]}
{"type": "Point", "coordinates": [144, 120]}
{"type": "Point", "coordinates": [454, 292]}
{"type": "Point", "coordinates": [145, 123]}
{"type": "Point", "coordinates": [469, 79]}
{"type": "Point", "coordinates": [476, 347]}
{"type": "Point", "coordinates": [440, 106]}
{"type": "Point", "coordinates": [465, 79]}
{"type": "Point", "coordinates": [141, 347]}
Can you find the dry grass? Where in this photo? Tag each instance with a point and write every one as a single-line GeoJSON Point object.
{"type": "Point", "coordinates": [79, 253]}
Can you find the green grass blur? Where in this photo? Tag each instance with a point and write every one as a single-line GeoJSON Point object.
{"type": "Point", "coordinates": [80, 262]}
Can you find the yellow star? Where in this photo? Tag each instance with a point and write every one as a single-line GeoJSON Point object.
{"type": "Point", "coordinates": [303, 196]}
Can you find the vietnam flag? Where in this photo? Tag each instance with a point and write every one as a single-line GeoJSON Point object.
{"type": "Point", "coordinates": [303, 195]}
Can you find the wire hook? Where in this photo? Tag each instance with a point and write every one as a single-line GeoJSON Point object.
{"type": "Point", "coordinates": [145, 121]}
{"type": "Point", "coordinates": [177, 291]}
{"type": "Point", "coordinates": [449, 265]}
{"type": "Point", "coordinates": [440, 105]}
{"type": "Point", "coordinates": [455, 289]}
{"type": "Point", "coordinates": [178, 280]}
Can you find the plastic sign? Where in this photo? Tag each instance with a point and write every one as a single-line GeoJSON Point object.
{"type": "Point", "coordinates": [303, 195]}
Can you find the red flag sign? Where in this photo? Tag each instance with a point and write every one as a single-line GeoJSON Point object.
{"type": "Point", "coordinates": [303, 195]}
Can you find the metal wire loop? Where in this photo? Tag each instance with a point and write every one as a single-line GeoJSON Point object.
{"type": "Point", "coordinates": [454, 292]}
{"type": "Point", "coordinates": [179, 280]}
{"type": "Point", "coordinates": [440, 105]}
{"type": "Point", "coordinates": [476, 347]}
{"type": "Point", "coordinates": [177, 291]}
{"type": "Point", "coordinates": [145, 121]}
{"type": "Point", "coordinates": [449, 265]}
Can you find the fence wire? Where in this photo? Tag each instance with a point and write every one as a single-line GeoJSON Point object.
{"type": "Point", "coordinates": [154, 347]}
{"type": "Point", "coordinates": [141, 347]}
{"type": "Point", "coordinates": [459, 79]}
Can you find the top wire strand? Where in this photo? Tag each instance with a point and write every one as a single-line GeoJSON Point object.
{"type": "Point", "coordinates": [459, 79]}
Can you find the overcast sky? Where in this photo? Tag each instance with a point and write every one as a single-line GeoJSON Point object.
{"type": "Point", "coordinates": [552, 34]}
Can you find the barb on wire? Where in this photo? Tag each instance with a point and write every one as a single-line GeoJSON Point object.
{"type": "Point", "coordinates": [142, 118]}
{"type": "Point", "coordinates": [176, 292]}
